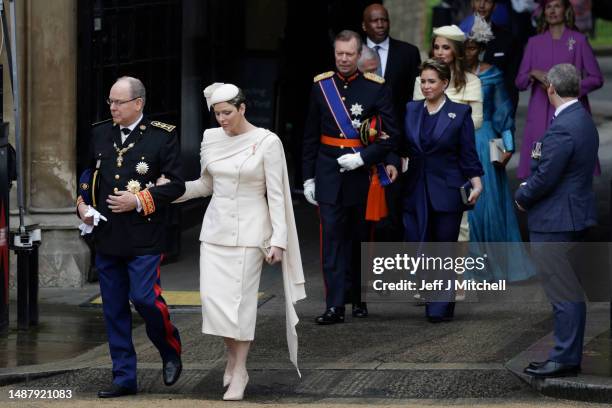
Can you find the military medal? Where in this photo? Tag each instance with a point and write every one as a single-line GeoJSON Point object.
{"type": "Point", "coordinates": [356, 109]}
{"type": "Point", "coordinates": [142, 168]}
{"type": "Point", "coordinates": [121, 152]}
{"type": "Point", "coordinates": [356, 123]}
{"type": "Point", "coordinates": [536, 152]}
{"type": "Point", "coordinates": [133, 186]}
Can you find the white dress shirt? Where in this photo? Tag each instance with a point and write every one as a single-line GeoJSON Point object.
{"type": "Point", "coordinates": [564, 106]}
{"type": "Point", "coordinates": [383, 52]}
{"type": "Point", "coordinates": [131, 127]}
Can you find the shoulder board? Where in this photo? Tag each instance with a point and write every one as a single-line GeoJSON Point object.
{"type": "Point", "coordinates": [162, 125]}
{"type": "Point", "coordinates": [324, 75]}
{"type": "Point", "coordinates": [101, 122]}
{"type": "Point", "coordinates": [373, 77]}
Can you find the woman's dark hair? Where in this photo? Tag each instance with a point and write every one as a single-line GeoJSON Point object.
{"type": "Point", "coordinates": [238, 99]}
{"type": "Point", "coordinates": [569, 16]}
{"type": "Point", "coordinates": [443, 70]}
{"type": "Point", "coordinates": [457, 67]}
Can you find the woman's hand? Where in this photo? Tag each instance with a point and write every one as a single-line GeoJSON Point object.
{"type": "Point", "coordinates": [506, 156]}
{"type": "Point", "coordinates": [161, 181]}
{"type": "Point", "coordinates": [391, 171]}
{"type": "Point", "coordinates": [476, 190]}
{"type": "Point", "coordinates": [275, 255]}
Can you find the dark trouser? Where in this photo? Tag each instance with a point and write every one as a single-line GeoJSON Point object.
{"type": "Point", "coordinates": [343, 230]}
{"type": "Point", "coordinates": [440, 227]}
{"type": "Point", "coordinates": [564, 291]}
{"type": "Point", "coordinates": [391, 228]}
{"type": "Point", "coordinates": [136, 279]}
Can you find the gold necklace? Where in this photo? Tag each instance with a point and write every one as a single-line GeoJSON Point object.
{"type": "Point", "coordinates": [120, 152]}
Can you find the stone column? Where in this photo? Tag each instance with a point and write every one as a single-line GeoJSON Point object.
{"type": "Point", "coordinates": [407, 20]}
{"type": "Point", "coordinates": [47, 38]}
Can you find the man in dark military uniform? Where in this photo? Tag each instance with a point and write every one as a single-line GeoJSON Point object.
{"type": "Point", "coordinates": [339, 165]}
{"type": "Point", "coordinates": [128, 155]}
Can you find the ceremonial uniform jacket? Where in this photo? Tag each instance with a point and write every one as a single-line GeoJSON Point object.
{"type": "Point", "coordinates": [154, 151]}
{"type": "Point", "coordinates": [364, 97]}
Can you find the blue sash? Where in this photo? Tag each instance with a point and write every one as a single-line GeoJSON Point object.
{"type": "Point", "coordinates": [344, 122]}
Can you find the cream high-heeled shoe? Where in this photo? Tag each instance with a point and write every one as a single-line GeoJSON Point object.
{"type": "Point", "coordinates": [227, 378]}
{"type": "Point", "coordinates": [235, 392]}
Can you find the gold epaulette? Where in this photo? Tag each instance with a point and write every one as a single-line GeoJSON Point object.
{"type": "Point", "coordinates": [162, 125]}
{"type": "Point", "coordinates": [324, 75]}
{"type": "Point", "coordinates": [101, 122]}
{"type": "Point", "coordinates": [373, 77]}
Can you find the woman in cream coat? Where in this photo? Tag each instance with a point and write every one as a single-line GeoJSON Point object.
{"type": "Point", "coordinates": [249, 220]}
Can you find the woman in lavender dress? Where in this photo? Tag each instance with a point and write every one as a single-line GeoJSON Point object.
{"type": "Point", "coordinates": [559, 42]}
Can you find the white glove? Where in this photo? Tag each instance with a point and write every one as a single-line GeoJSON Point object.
{"type": "Point", "coordinates": [350, 161]}
{"type": "Point", "coordinates": [309, 191]}
{"type": "Point", "coordinates": [91, 212]}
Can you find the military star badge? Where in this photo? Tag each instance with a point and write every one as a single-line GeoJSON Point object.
{"type": "Point", "coordinates": [142, 168]}
{"type": "Point", "coordinates": [356, 109]}
{"type": "Point", "coordinates": [133, 186]}
{"type": "Point", "coordinates": [356, 123]}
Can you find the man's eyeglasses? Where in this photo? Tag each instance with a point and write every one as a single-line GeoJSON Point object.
{"type": "Point", "coordinates": [119, 102]}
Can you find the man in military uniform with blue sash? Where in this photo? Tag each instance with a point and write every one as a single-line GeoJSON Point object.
{"type": "Point", "coordinates": [128, 155]}
{"type": "Point", "coordinates": [345, 168]}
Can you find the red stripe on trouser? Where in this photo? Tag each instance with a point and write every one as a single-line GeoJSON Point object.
{"type": "Point", "coordinates": [321, 252]}
{"type": "Point", "coordinates": [163, 308]}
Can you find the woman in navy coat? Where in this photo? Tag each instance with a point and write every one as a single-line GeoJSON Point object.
{"type": "Point", "coordinates": [439, 144]}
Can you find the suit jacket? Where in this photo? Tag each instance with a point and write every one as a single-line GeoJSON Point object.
{"type": "Point", "coordinates": [436, 173]}
{"type": "Point", "coordinates": [155, 151]}
{"type": "Point", "coordinates": [558, 194]}
{"type": "Point", "coordinates": [245, 178]}
{"type": "Point", "coordinates": [403, 61]}
{"type": "Point", "coordinates": [506, 54]}
{"type": "Point", "coordinates": [319, 161]}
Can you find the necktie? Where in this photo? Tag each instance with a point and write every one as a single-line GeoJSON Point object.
{"type": "Point", "coordinates": [124, 134]}
{"type": "Point", "coordinates": [379, 68]}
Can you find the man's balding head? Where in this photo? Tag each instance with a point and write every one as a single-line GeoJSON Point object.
{"type": "Point", "coordinates": [376, 23]}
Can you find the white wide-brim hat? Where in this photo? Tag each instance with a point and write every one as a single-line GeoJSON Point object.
{"type": "Point", "coordinates": [452, 32]}
{"type": "Point", "coordinates": [220, 92]}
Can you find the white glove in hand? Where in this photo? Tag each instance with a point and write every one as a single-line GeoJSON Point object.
{"type": "Point", "coordinates": [91, 212]}
{"type": "Point", "coordinates": [350, 161]}
{"type": "Point", "coordinates": [309, 191]}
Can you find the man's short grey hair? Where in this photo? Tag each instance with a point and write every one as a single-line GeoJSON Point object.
{"type": "Point", "coordinates": [347, 35]}
{"type": "Point", "coordinates": [565, 79]}
{"type": "Point", "coordinates": [137, 88]}
{"type": "Point", "coordinates": [367, 54]}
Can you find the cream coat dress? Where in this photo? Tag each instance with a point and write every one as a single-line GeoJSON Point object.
{"type": "Point", "coordinates": [250, 211]}
{"type": "Point", "coordinates": [470, 94]}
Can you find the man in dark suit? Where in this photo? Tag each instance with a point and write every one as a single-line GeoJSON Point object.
{"type": "Point", "coordinates": [337, 163]}
{"type": "Point", "coordinates": [502, 51]}
{"type": "Point", "coordinates": [560, 203]}
{"type": "Point", "coordinates": [128, 155]}
{"type": "Point", "coordinates": [399, 65]}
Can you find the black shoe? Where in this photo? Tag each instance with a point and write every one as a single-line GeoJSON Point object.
{"type": "Point", "coordinates": [360, 309]}
{"type": "Point", "coordinates": [537, 364]}
{"type": "Point", "coordinates": [331, 316]}
{"type": "Point", "coordinates": [553, 369]}
{"type": "Point", "coordinates": [438, 319]}
{"type": "Point", "coordinates": [116, 391]}
{"type": "Point", "coordinates": [172, 370]}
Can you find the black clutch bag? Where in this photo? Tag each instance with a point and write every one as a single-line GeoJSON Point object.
{"type": "Point", "coordinates": [465, 191]}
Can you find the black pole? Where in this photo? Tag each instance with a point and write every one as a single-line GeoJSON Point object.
{"type": "Point", "coordinates": [4, 223]}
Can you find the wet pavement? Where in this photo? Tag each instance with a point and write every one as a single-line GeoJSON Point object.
{"type": "Point", "coordinates": [394, 356]}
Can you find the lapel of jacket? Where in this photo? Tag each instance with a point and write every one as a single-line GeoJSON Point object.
{"type": "Point", "coordinates": [389, 67]}
{"type": "Point", "coordinates": [117, 136]}
{"type": "Point", "coordinates": [443, 120]}
{"type": "Point", "coordinates": [135, 134]}
{"type": "Point", "coordinates": [415, 134]}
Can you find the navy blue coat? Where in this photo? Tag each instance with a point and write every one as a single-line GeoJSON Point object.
{"type": "Point", "coordinates": [559, 193]}
{"type": "Point", "coordinates": [436, 174]}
